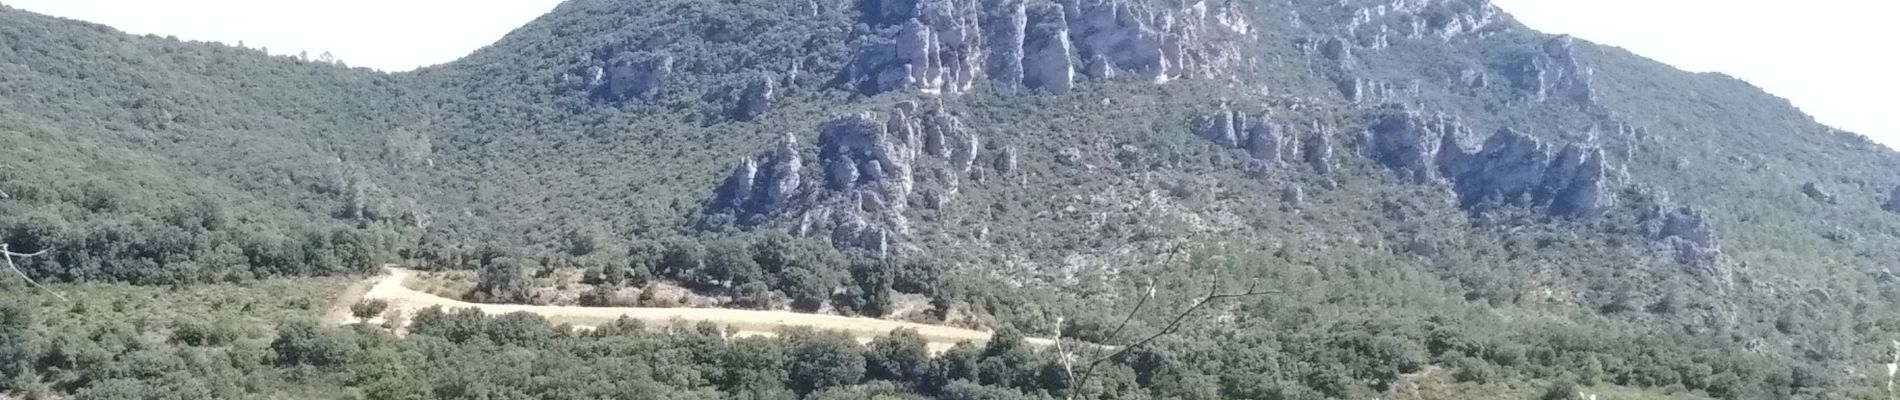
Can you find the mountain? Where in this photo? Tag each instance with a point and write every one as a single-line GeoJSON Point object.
{"type": "Point", "coordinates": [1419, 185]}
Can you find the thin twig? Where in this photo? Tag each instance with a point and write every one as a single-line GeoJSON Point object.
{"type": "Point", "coordinates": [1117, 333]}
{"type": "Point", "coordinates": [1068, 360]}
{"type": "Point", "coordinates": [10, 255]}
{"type": "Point", "coordinates": [1213, 295]}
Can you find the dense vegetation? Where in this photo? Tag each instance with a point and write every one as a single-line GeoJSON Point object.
{"type": "Point", "coordinates": [150, 161]}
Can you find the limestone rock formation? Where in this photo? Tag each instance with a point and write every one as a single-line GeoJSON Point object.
{"type": "Point", "coordinates": [631, 76]}
{"type": "Point", "coordinates": [1006, 160]}
{"type": "Point", "coordinates": [938, 47]}
{"type": "Point", "coordinates": [1408, 142]}
{"type": "Point", "coordinates": [1514, 168]}
{"type": "Point", "coordinates": [762, 185]}
{"type": "Point", "coordinates": [948, 46]}
{"type": "Point", "coordinates": [875, 166]}
{"type": "Point", "coordinates": [1259, 135]}
{"type": "Point", "coordinates": [1008, 23]}
{"type": "Point", "coordinates": [1317, 149]}
{"type": "Point", "coordinates": [1047, 55]}
{"type": "Point", "coordinates": [1688, 233]}
{"type": "Point", "coordinates": [1553, 71]}
{"type": "Point", "coordinates": [1578, 184]}
{"type": "Point", "coordinates": [1266, 141]}
{"type": "Point", "coordinates": [880, 163]}
{"type": "Point", "coordinates": [1365, 91]}
{"type": "Point", "coordinates": [1376, 24]}
{"type": "Point", "coordinates": [755, 99]}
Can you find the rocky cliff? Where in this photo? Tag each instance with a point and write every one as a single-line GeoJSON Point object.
{"type": "Point", "coordinates": [949, 46]}
{"type": "Point", "coordinates": [875, 167]}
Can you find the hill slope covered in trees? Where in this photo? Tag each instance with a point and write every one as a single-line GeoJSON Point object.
{"type": "Point", "coordinates": [1420, 185]}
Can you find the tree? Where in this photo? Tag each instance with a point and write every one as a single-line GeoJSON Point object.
{"type": "Point", "coordinates": [808, 288]}
{"type": "Point", "coordinates": [366, 309]}
{"type": "Point", "coordinates": [824, 360]}
{"type": "Point", "coordinates": [729, 263]}
{"type": "Point", "coordinates": [18, 346]}
{"type": "Point", "coordinates": [901, 356]}
{"type": "Point", "coordinates": [683, 260]}
{"type": "Point", "coordinates": [965, 390]}
{"type": "Point", "coordinates": [1561, 390]}
{"type": "Point", "coordinates": [502, 280]}
{"type": "Point", "coordinates": [302, 343]}
{"type": "Point", "coordinates": [871, 291]}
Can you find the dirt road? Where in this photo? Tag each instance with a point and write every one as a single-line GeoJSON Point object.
{"type": "Point", "coordinates": [389, 287]}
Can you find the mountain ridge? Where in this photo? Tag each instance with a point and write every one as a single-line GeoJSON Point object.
{"type": "Point", "coordinates": [1343, 152]}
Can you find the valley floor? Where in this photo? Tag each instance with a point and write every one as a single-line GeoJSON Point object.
{"type": "Point", "coordinates": [389, 287]}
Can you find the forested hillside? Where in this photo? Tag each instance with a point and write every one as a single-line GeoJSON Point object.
{"type": "Point", "coordinates": [1425, 197]}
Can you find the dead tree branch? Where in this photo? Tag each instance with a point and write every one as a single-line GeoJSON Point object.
{"type": "Point", "coordinates": [10, 255]}
{"type": "Point", "coordinates": [1214, 294]}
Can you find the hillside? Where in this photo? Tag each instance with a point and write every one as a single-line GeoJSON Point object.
{"type": "Point", "coordinates": [1415, 186]}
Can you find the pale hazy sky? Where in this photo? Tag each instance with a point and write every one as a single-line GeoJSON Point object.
{"type": "Point", "coordinates": [1833, 58]}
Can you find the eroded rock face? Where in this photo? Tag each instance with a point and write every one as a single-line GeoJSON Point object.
{"type": "Point", "coordinates": [1689, 234]}
{"type": "Point", "coordinates": [938, 47]}
{"type": "Point", "coordinates": [1514, 168]}
{"type": "Point", "coordinates": [947, 46]}
{"type": "Point", "coordinates": [1555, 72]}
{"type": "Point", "coordinates": [1008, 23]}
{"type": "Point", "coordinates": [755, 99]}
{"type": "Point", "coordinates": [762, 185]}
{"type": "Point", "coordinates": [1318, 149]}
{"type": "Point", "coordinates": [632, 76]}
{"type": "Point", "coordinates": [1376, 24]}
{"type": "Point", "coordinates": [1047, 54]}
{"type": "Point", "coordinates": [1408, 142]}
{"type": "Point", "coordinates": [875, 167]}
{"type": "Point", "coordinates": [1257, 133]}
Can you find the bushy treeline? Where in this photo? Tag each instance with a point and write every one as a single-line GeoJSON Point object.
{"type": "Point", "coordinates": [458, 354]}
{"type": "Point", "coordinates": [104, 214]}
{"type": "Point", "coordinates": [762, 270]}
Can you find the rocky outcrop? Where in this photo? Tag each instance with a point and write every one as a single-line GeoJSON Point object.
{"type": "Point", "coordinates": [1554, 71]}
{"type": "Point", "coordinates": [1047, 54]}
{"type": "Point", "coordinates": [1317, 149]}
{"type": "Point", "coordinates": [882, 163]}
{"type": "Point", "coordinates": [1008, 23]}
{"type": "Point", "coordinates": [1689, 235]}
{"type": "Point", "coordinates": [1816, 193]}
{"type": "Point", "coordinates": [875, 167]}
{"type": "Point", "coordinates": [947, 46]}
{"type": "Point", "coordinates": [1376, 24]}
{"type": "Point", "coordinates": [1514, 168]}
{"type": "Point", "coordinates": [755, 99]}
{"type": "Point", "coordinates": [1256, 133]}
{"type": "Point", "coordinates": [1006, 160]}
{"type": "Point", "coordinates": [1366, 91]}
{"type": "Point", "coordinates": [1893, 201]}
{"type": "Point", "coordinates": [631, 76]}
{"type": "Point", "coordinates": [937, 47]}
{"type": "Point", "coordinates": [762, 185]}
{"type": "Point", "coordinates": [1408, 142]}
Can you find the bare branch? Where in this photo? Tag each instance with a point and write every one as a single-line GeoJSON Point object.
{"type": "Point", "coordinates": [1068, 359]}
{"type": "Point", "coordinates": [10, 255]}
{"type": "Point", "coordinates": [1213, 295]}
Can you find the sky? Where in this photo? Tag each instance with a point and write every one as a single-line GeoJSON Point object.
{"type": "Point", "coordinates": [1832, 58]}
